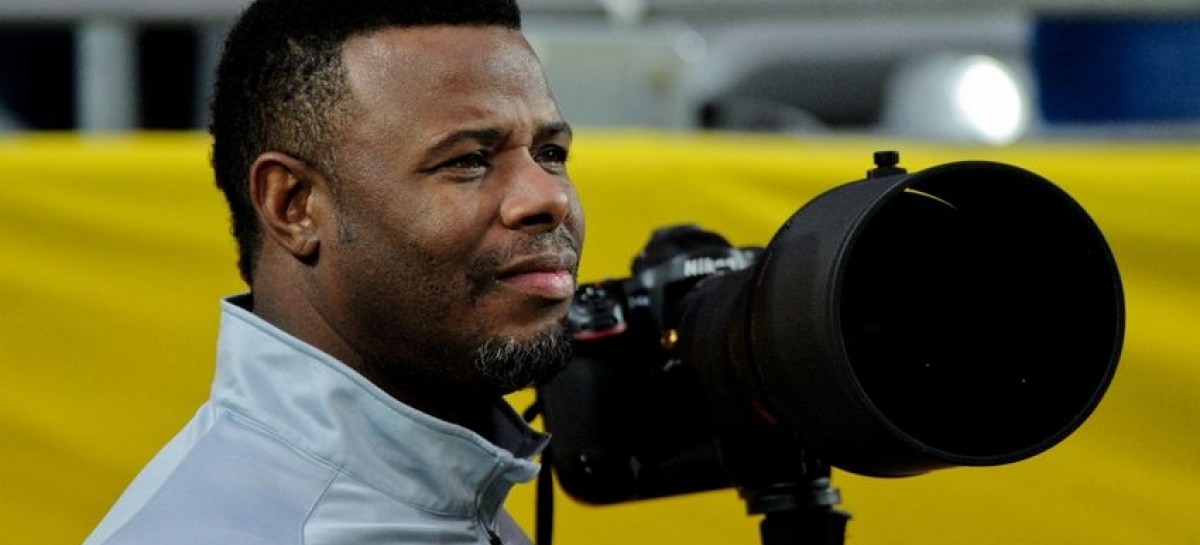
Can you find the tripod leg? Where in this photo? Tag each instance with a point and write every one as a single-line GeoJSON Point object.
{"type": "Point", "coordinates": [804, 526]}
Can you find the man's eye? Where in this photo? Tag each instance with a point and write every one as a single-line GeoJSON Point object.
{"type": "Point", "coordinates": [470, 161]}
{"type": "Point", "coordinates": [552, 157]}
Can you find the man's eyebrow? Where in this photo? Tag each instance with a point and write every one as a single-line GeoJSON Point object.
{"type": "Point", "coordinates": [490, 136]}
{"type": "Point", "coordinates": [550, 130]}
{"type": "Point", "coordinates": [487, 137]}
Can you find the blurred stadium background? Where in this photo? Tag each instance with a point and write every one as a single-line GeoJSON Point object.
{"type": "Point", "coordinates": [728, 113]}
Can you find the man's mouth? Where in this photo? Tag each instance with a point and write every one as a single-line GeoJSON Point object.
{"type": "Point", "coordinates": [554, 285]}
{"type": "Point", "coordinates": [547, 276]}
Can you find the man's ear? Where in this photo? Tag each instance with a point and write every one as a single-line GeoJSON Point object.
{"type": "Point", "coordinates": [287, 192]}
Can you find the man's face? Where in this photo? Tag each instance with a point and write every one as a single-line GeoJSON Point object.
{"type": "Point", "coordinates": [459, 231]}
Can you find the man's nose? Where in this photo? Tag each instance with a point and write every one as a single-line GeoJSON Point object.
{"type": "Point", "coordinates": [535, 199]}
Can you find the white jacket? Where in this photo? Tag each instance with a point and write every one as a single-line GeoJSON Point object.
{"type": "Point", "coordinates": [296, 448]}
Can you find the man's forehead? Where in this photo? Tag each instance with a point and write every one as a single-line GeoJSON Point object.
{"type": "Point", "coordinates": [424, 46]}
{"type": "Point", "coordinates": [459, 72]}
{"type": "Point", "coordinates": [438, 59]}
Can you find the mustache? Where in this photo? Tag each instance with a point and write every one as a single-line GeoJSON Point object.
{"type": "Point", "coordinates": [483, 270]}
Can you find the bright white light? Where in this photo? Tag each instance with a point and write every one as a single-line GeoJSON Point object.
{"type": "Point", "coordinates": [956, 97]}
{"type": "Point", "coordinates": [988, 98]}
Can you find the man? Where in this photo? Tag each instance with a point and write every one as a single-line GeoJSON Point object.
{"type": "Point", "coordinates": [396, 176]}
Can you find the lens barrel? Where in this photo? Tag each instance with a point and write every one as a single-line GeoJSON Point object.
{"type": "Point", "coordinates": [968, 314]}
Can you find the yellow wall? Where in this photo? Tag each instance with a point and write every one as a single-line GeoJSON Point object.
{"type": "Point", "coordinates": [115, 252]}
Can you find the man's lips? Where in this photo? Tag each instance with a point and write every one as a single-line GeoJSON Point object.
{"type": "Point", "coordinates": [548, 276]}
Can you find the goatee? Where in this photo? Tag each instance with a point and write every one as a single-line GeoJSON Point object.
{"type": "Point", "coordinates": [507, 364]}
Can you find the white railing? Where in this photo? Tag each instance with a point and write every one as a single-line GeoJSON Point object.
{"type": "Point", "coordinates": [106, 45]}
{"type": "Point", "coordinates": [193, 10]}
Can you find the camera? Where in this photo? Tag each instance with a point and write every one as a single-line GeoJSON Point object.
{"type": "Point", "coordinates": [969, 314]}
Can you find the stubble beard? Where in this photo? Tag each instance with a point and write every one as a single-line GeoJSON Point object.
{"type": "Point", "coordinates": [508, 364]}
{"type": "Point", "coordinates": [499, 365]}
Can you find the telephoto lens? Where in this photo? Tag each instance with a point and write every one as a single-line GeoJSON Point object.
{"type": "Point", "coordinates": [969, 314]}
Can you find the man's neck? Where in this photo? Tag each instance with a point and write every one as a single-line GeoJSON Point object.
{"type": "Point", "coordinates": [472, 410]}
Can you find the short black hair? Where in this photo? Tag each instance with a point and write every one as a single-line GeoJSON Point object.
{"type": "Point", "coordinates": [281, 85]}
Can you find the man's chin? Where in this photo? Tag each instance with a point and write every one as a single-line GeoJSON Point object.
{"type": "Point", "coordinates": [508, 363]}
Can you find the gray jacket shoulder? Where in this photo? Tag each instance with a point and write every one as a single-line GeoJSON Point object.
{"type": "Point", "coordinates": [236, 484]}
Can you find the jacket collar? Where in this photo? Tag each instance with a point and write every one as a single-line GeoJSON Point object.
{"type": "Point", "coordinates": [329, 411]}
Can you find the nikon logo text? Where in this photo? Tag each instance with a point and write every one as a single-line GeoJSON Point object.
{"type": "Point", "coordinates": [699, 266]}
